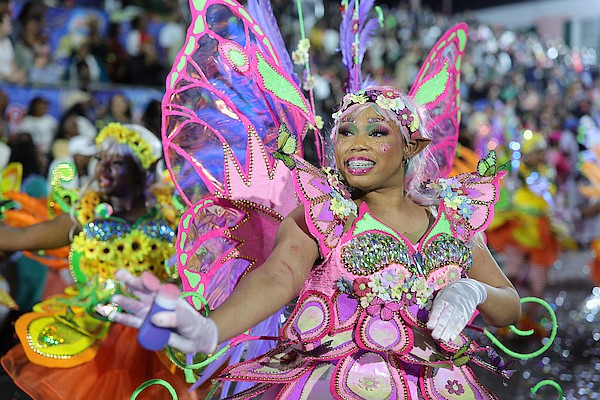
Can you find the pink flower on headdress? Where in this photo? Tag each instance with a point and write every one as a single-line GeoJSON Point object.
{"type": "Point", "coordinates": [405, 117]}
{"type": "Point", "coordinates": [390, 94]}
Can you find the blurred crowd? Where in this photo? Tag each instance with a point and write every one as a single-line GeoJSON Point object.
{"type": "Point", "coordinates": [105, 51]}
{"type": "Point", "coordinates": [515, 85]}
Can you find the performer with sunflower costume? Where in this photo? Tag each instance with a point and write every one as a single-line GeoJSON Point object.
{"type": "Point", "coordinates": [67, 350]}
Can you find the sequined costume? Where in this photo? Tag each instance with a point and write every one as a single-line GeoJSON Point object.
{"type": "Point", "coordinates": [63, 332]}
{"type": "Point", "coordinates": [235, 121]}
{"type": "Point", "coordinates": [359, 327]}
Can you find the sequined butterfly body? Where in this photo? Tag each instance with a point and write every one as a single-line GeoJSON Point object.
{"type": "Point", "coordinates": [379, 274]}
{"type": "Point", "coordinates": [370, 298]}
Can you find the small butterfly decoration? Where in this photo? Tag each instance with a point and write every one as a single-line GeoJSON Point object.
{"type": "Point", "coordinates": [461, 357]}
{"type": "Point", "coordinates": [287, 145]}
{"type": "Point", "coordinates": [488, 166]}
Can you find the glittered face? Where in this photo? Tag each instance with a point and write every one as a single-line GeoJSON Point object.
{"type": "Point", "coordinates": [369, 150]}
{"type": "Point", "coordinates": [118, 175]}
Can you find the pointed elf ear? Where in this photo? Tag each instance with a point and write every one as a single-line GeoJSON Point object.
{"type": "Point", "coordinates": [414, 146]}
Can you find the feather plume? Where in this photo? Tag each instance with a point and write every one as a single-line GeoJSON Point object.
{"type": "Point", "coordinates": [366, 28]}
{"type": "Point", "coordinates": [262, 12]}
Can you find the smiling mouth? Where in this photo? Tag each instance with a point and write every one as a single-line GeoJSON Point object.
{"type": "Point", "coordinates": [359, 166]}
{"type": "Point", "coordinates": [104, 182]}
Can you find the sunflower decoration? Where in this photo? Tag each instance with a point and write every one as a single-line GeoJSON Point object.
{"type": "Point", "coordinates": [104, 269]}
{"type": "Point", "coordinates": [137, 245]}
{"type": "Point", "coordinates": [87, 206]}
{"type": "Point", "coordinates": [119, 246]}
{"type": "Point", "coordinates": [88, 248]}
{"type": "Point", "coordinates": [90, 199]}
{"type": "Point", "coordinates": [106, 252]}
{"type": "Point", "coordinates": [131, 138]}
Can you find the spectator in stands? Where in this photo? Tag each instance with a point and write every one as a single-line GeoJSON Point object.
{"type": "Point", "coordinates": [172, 36]}
{"type": "Point", "coordinates": [79, 103]}
{"type": "Point", "coordinates": [97, 44]}
{"type": "Point", "coordinates": [152, 117]}
{"type": "Point", "coordinates": [27, 45]}
{"type": "Point", "coordinates": [67, 129]}
{"type": "Point", "coordinates": [41, 126]}
{"type": "Point", "coordinates": [137, 36]}
{"type": "Point", "coordinates": [116, 55]}
{"type": "Point", "coordinates": [8, 66]}
{"type": "Point", "coordinates": [83, 70]}
{"type": "Point", "coordinates": [147, 69]}
{"type": "Point", "coordinates": [119, 110]}
{"type": "Point", "coordinates": [45, 71]}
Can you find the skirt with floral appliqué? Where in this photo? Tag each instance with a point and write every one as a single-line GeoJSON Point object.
{"type": "Point", "coordinates": [284, 373]}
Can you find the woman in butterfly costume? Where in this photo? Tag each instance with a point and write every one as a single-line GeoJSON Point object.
{"type": "Point", "coordinates": [67, 350]}
{"type": "Point", "coordinates": [387, 273]}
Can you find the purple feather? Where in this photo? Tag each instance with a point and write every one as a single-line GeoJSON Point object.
{"type": "Point", "coordinates": [365, 36]}
{"type": "Point", "coordinates": [367, 28]}
{"type": "Point", "coordinates": [346, 35]}
{"type": "Point", "coordinates": [262, 12]}
{"type": "Point", "coordinates": [363, 10]}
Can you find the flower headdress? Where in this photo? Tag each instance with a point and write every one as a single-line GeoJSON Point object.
{"type": "Point", "coordinates": [131, 138]}
{"type": "Point", "coordinates": [387, 99]}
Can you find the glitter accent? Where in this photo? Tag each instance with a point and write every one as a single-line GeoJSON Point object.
{"type": "Point", "coordinates": [369, 253]}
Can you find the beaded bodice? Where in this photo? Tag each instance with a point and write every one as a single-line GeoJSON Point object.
{"type": "Point", "coordinates": [105, 245]}
{"type": "Point", "coordinates": [377, 286]}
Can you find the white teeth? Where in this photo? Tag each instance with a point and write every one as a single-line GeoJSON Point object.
{"type": "Point", "coordinates": [360, 164]}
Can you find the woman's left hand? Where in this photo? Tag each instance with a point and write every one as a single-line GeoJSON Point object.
{"type": "Point", "coordinates": [454, 306]}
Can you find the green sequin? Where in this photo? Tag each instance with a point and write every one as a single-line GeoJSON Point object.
{"type": "Point", "coordinates": [367, 254]}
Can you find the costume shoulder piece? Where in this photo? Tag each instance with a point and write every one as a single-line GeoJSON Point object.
{"type": "Point", "coordinates": [327, 203]}
{"type": "Point", "coordinates": [468, 199]}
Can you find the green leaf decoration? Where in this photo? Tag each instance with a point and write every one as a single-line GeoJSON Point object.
{"type": "Point", "coordinates": [279, 85]}
{"type": "Point", "coordinates": [433, 87]}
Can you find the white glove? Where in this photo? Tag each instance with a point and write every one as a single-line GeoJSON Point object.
{"type": "Point", "coordinates": [144, 288]}
{"type": "Point", "coordinates": [192, 333]}
{"type": "Point", "coordinates": [453, 307]}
